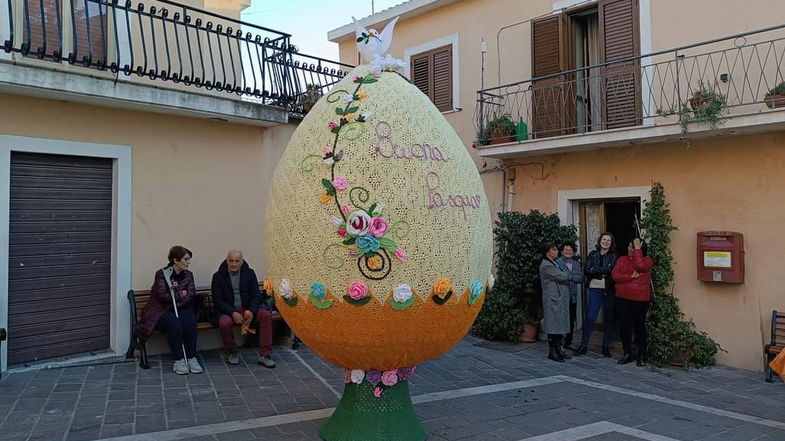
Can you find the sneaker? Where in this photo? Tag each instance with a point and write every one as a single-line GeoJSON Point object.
{"type": "Point", "coordinates": [194, 366]}
{"type": "Point", "coordinates": [266, 361]}
{"type": "Point", "coordinates": [181, 367]}
{"type": "Point", "coordinates": [233, 358]}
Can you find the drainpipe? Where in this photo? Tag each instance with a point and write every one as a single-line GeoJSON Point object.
{"type": "Point", "coordinates": [510, 188]}
{"type": "Point", "coordinates": [503, 171]}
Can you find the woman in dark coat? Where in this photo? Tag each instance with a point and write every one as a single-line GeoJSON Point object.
{"type": "Point", "coordinates": [555, 301]}
{"type": "Point", "coordinates": [179, 328]}
{"type": "Point", "coordinates": [598, 269]}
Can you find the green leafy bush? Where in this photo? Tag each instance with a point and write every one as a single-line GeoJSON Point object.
{"type": "Point", "coordinates": [516, 297]}
{"type": "Point", "coordinates": [671, 338]}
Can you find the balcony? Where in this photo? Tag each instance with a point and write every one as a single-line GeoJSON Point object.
{"type": "Point", "coordinates": [191, 57]}
{"type": "Point", "coordinates": [657, 97]}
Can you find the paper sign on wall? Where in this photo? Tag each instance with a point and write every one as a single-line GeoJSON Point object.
{"type": "Point", "coordinates": [716, 259]}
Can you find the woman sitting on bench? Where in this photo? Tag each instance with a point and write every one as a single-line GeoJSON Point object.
{"type": "Point", "coordinates": [172, 310]}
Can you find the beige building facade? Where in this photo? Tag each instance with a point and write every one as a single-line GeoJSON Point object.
{"type": "Point", "coordinates": [601, 87]}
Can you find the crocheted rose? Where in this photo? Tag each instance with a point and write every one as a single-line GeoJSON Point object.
{"type": "Point", "coordinates": [357, 223]}
{"type": "Point", "coordinates": [390, 378]}
{"type": "Point", "coordinates": [402, 293]}
{"type": "Point", "coordinates": [285, 289]}
{"type": "Point", "coordinates": [367, 243]}
{"type": "Point", "coordinates": [340, 183]}
{"type": "Point", "coordinates": [357, 376]}
{"type": "Point", "coordinates": [346, 208]}
{"type": "Point", "coordinates": [374, 262]}
{"type": "Point", "coordinates": [400, 255]}
{"type": "Point", "coordinates": [374, 377]}
{"type": "Point", "coordinates": [441, 287]}
{"type": "Point", "coordinates": [378, 226]}
{"type": "Point", "coordinates": [405, 373]}
{"type": "Point", "coordinates": [357, 290]}
{"type": "Point", "coordinates": [318, 290]}
{"type": "Point", "coordinates": [377, 392]}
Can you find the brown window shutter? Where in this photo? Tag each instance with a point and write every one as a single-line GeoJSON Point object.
{"type": "Point", "coordinates": [421, 72]}
{"type": "Point", "coordinates": [442, 78]}
{"type": "Point", "coordinates": [547, 94]}
{"type": "Point", "coordinates": [431, 72]}
{"type": "Point", "coordinates": [620, 38]}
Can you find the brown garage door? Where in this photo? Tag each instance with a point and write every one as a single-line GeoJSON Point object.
{"type": "Point", "coordinates": [59, 267]}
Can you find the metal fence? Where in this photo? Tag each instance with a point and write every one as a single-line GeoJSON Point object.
{"type": "Point", "coordinates": [164, 41]}
{"type": "Point", "coordinates": [736, 74]}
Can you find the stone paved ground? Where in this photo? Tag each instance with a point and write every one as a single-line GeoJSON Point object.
{"type": "Point", "coordinates": [587, 398]}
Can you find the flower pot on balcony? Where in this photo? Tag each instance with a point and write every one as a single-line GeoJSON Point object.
{"type": "Point", "coordinates": [529, 334]}
{"type": "Point", "coordinates": [697, 101]}
{"type": "Point", "coordinates": [501, 139]}
{"type": "Point", "coordinates": [774, 101]}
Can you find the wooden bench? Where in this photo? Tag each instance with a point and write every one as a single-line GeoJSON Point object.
{"type": "Point", "coordinates": [139, 299]}
{"type": "Point", "coordinates": [777, 341]}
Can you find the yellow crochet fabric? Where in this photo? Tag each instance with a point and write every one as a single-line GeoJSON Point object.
{"type": "Point", "coordinates": [389, 154]}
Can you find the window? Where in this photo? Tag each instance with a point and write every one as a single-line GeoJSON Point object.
{"type": "Point", "coordinates": [431, 72]}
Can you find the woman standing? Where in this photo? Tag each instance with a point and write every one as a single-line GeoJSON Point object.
{"type": "Point", "coordinates": [598, 269]}
{"type": "Point", "coordinates": [555, 301]}
{"type": "Point", "coordinates": [567, 263]}
{"type": "Point", "coordinates": [632, 275]}
{"type": "Point", "coordinates": [174, 283]}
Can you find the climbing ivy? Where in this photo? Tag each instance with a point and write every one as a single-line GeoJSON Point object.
{"type": "Point", "coordinates": [672, 339]}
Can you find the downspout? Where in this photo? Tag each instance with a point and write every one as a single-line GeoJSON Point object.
{"type": "Point", "coordinates": [502, 205]}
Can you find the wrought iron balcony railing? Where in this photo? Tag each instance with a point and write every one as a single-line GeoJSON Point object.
{"type": "Point", "coordinates": [737, 74]}
{"type": "Point", "coordinates": [164, 41]}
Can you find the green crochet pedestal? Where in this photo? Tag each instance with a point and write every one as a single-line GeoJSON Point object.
{"type": "Point", "coordinates": [362, 417]}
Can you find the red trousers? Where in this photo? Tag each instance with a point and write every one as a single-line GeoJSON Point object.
{"type": "Point", "coordinates": [264, 319]}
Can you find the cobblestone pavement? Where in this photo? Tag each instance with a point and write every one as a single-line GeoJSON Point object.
{"type": "Point", "coordinates": [478, 391]}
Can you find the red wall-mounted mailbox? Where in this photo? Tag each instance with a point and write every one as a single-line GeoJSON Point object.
{"type": "Point", "coordinates": [721, 256]}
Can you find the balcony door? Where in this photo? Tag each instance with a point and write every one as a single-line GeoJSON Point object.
{"type": "Point", "coordinates": [568, 96]}
{"type": "Point", "coordinates": [53, 30]}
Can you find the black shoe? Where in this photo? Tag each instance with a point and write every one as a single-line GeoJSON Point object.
{"type": "Point", "coordinates": [553, 355]}
{"type": "Point", "coordinates": [580, 351]}
{"type": "Point", "coordinates": [606, 351]}
{"type": "Point", "coordinates": [640, 363]}
{"type": "Point", "coordinates": [626, 358]}
{"type": "Point", "coordinates": [562, 353]}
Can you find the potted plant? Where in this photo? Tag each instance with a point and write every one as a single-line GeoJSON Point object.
{"type": "Point", "coordinates": [312, 95]}
{"type": "Point", "coordinates": [776, 96]}
{"type": "Point", "coordinates": [501, 129]}
{"type": "Point", "coordinates": [707, 106]}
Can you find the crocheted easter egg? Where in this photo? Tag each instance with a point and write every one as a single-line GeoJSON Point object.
{"type": "Point", "coordinates": [378, 236]}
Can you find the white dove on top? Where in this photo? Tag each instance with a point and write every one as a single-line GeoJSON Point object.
{"type": "Point", "coordinates": [371, 43]}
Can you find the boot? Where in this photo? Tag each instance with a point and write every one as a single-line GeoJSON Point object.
{"type": "Point", "coordinates": [640, 359]}
{"type": "Point", "coordinates": [580, 351]}
{"type": "Point", "coordinates": [553, 352]}
{"type": "Point", "coordinates": [625, 358]}
{"type": "Point", "coordinates": [563, 353]}
{"type": "Point", "coordinates": [606, 351]}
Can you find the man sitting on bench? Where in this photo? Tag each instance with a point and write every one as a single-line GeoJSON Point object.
{"type": "Point", "coordinates": [237, 300]}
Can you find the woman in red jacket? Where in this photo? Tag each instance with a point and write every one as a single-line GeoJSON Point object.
{"type": "Point", "coordinates": [632, 275]}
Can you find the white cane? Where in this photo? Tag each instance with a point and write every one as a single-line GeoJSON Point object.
{"type": "Point", "coordinates": [167, 274]}
{"type": "Point", "coordinates": [651, 281]}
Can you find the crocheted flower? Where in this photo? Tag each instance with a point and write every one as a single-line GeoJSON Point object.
{"type": "Point", "coordinates": [378, 226]}
{"type": "Point", "coordinates": [357, 223]}
{"type": "Point", "coordinates": [405, 373]}
{"type": "Point", "coordinates": [475, 291]}
{"type": "Point", "coordinates": [367, 243]}
{"type": "Point", "coordinates": [337, 221]}
{"type": "Point", "coordinates": [402, 293]}
{"type": "Point", "coordinates": [329, 161]}
{"type": "Point", "coordinates": [357, 290]}
{"type": "Point", "coordinates": [348, 116]}
{"type": "Point", "coordinates": [326, 150]}
{"type": "Point", "coordinates": [341, 232]}
{"type": "Point", "coordinates": [332, 124]}
{"type": "Point", "coordinates": [347, 375]}
{"type": "Point", "coordinates": [377, 392]}
{"type": "Point", "coordinates": [374, 262]}
{"type": "Point", "coordinates": [357, 376]}
{"type": "Point", "coordinates": [325, 198]}
{"type": "Point", "coordinates": [346, 208]}
{"type": "Point", "coordinates": [378, 210]}
{"type": "Point", "coordinates": [441, 287]}
{"type": "Point", "coordinates": [340, 183]}
{"type": "Point", "coordinates": [366, 115]}
{"type": "Point", "coordinates": [400, 255]}
{"type": "Point", "coordinates": [285, 289]}
{"type": "Point", "coordinates": [351, 253]}
{"type": "Point", "coordinates": [390, 378]}
{"type": "Point", "coordinates": [361, 95]}
{"type": "Point", "coordinates": [374, 377]}
{"type": "Point", "coordinates": [318, 290]}
{"type": "Point", "coordinates": [348, 98]}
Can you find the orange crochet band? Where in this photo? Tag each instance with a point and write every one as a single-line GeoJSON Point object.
{"type": "Point", "coordinates": [377, 335]}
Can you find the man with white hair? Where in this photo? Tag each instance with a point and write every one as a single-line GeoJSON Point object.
{"type": "Point", "coordinates": [237, 300]}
